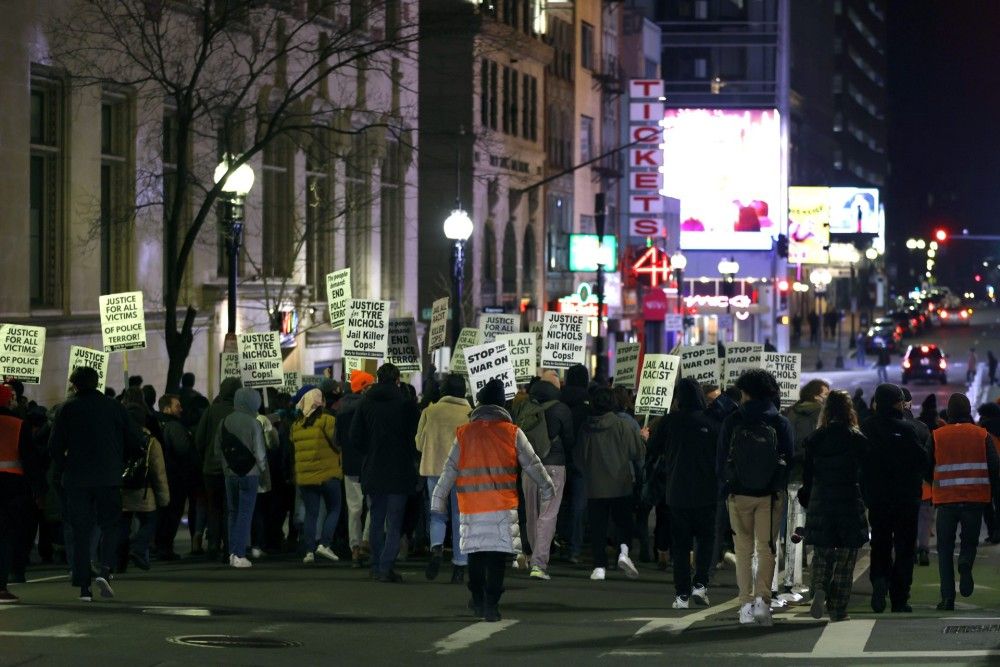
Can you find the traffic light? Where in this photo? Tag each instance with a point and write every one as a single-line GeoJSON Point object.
{"type": "Point", "coordinates": [940, 235]}
{"type": "Point", "coordinates": [978, 278]}
{"type": "Point", "coordinates": [782, 246]}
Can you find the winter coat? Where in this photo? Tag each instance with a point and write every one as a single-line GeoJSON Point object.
{"type": "Point", "coordinates": [436, 432]}
{"type": "Point", "coordinates": [157, 492]}
{"type": "Point", "coordinates": [831, 476]}
{"type": "Point", "coordinates": [179, 454]}
{"type": "Point", "coordinates": [750, 411]}
{"type": "Point", "coordinates": [491, 531]}
{"type": "Point", "coordinates": [242, 422]}
{"type": "Point", "coordinates": [558, 421]}
{"type": "Point", "coordinates": [578, 401]}
{"type": "Point", "coordinates": [351, 458]}
{"type": "Point", "coordinates": [803, 416]}
{"type": "Point", "coordinates": [609, 453]}
{"type": "Point", "coordinates": [383, 430]}
{"type": "Point", "coordinates": [315, 458]}
{"type": "Point", "coordinates": [687, 441]}
{"type": "Point", "coordinates": [897, 460]}
{"type": "Point", "coordinates": [208, 426]}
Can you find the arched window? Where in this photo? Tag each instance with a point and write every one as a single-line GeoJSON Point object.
{"type": "Point", "coordinates": [509, 260]}
{"type": "Point", "coordinates": [528, 264]}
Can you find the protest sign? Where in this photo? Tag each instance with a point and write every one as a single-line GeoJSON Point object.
{"type": "Point", "coordinates": [123, 321]}
{"type": "Point", "coordinates": [466, 337]}
{"type": "Point", "coordinates": [488, 361]}
{"type": "Point", "coordinates": [293, 382]}
{"type": "Point", "coordinates": [311, 381]}
{"type": "Point", "coordinates": [564, 340]}
{"type": "Point", "coordinates": [523, 355]}
{"type": "Point", "coordinates": [338, 292]}
{"type": "Point", "coordinates": [741, 357]}
{"type": "Point", "coordinates": [700, 362]}
{"type": "Point", "coordinates": [260, 359]}
{"type": "Point", "coordinates": [656, 384]}
{"type": "Point", "coordinates": [786, 369]}
{"type": "Point", "coordinates": [84, 356]}
{"type": "Point", "coordinates": [626, 364]}
{"type": "Point", "coordinates": [439, 325]}
{"type": "Point", "coordinates": [366, 329]}
{"type": "Point", "coordinates": [403, 350]}
{"type": "Point", "coordinates": [229, 365]}
{"type": "Point", "coordinates": [537, 328]}
{"type": "Point", "coordinates": [673, 322]}
{"type": "Point", "coordinates": [22, 348]}
{"type": "Point", "coordinates": [492, 325]}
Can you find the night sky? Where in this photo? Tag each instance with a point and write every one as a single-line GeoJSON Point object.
{"type": "Point", "coordinates": [944, 126]}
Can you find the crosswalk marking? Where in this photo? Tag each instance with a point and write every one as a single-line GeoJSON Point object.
{"type": "Point", "coordinates": [470, 635]}
{"type": "Point", "coordinates": [64, 631]}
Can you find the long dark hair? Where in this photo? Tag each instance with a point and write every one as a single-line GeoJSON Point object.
{"type": "Point", "coordinates": [838, 408]}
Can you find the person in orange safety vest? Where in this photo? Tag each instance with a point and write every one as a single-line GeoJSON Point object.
{"type": "Point", "coordinates": [483, 467]}
{"type": "Point", "coordinates": [963, 473]}
{"type": "Point", "coordinates": [15, 496]}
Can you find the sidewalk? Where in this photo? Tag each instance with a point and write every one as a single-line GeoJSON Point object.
{"type": "Point", "coordinates": [827, 352]}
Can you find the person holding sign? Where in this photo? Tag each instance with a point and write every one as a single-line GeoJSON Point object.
{"type": "Point", "coordinates": [19, 473]}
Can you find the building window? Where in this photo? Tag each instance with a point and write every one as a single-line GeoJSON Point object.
{"type": "Point", "coordinates": [701, 9]}
{"type": "Point", "coordinates": [528, 268]}
{"type": "Point", "coordinates": [278, 224]}
{"type": "Point", "coordinates": [391, 19]}
{"type": "Point", "coordinates": [586, 138]}
{"type": "Point", "coordinates": [838, 122]}
{"type": "Point", "coordinates": [359, 14]}
{"type": "Point", "coordinates": [116, 136]}
{"type": "Point", "coordinates": [700, 68]}
{"type": "Point", "coordinates": [587, 45]}
{"type": "Point", "coordinates": [489, 267]}
{"type": "Point", "coordinates": [357, 211]}
{"type": "Point", "coordinates": [393, 234]}
{"type": "Point", "coordinates": [494, 95]}
{"type": "Point", "coordinates": [45, 194]}
{"type": "Point", "coordinates": [320, 213]}
{"type": "Point", "coordinates": [558, 215]}
{"type": "Point", "coordinates": [505, 117]}
{"type": "Point", "coordinates": [484, 93]}
{"type": "Point", "coordinates": [510, 263]}
{"type": "Point", "coordinates": [532, 126]}
{"type": "Point", "coordinates": [512, 102]}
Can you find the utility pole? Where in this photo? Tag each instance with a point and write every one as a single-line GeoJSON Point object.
{"type": "Point", "coordinates": [600, 372]}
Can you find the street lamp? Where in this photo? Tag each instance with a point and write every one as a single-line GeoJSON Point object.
{"type": "Point", "coordinates": [236, 183]}
{"type": "Point", "coordinates": [458, 228]}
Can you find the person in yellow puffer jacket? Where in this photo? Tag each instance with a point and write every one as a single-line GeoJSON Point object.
{"type": "Point", "coordinates": [318, 473]}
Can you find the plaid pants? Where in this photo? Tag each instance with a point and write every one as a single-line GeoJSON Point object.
{"type": "Point", "coordinates": [833, 572]}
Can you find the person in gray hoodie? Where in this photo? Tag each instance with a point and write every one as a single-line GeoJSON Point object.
{"type": "Point", "coordinates": [241, 492]}
{"type": "Point", "coordinates": [213, 479]}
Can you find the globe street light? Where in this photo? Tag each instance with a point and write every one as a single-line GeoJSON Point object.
{"type": "Point", "coordinates": [236, 183]}
{"type": "Point", "coordinates": [458, 228]}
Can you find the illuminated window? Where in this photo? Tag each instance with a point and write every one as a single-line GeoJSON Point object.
{"type": "Point", "coordinates": [45, 192]}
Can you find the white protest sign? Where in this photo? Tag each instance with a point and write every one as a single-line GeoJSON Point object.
{"type": "Point", "coordinates": [523, 354]}
{"type": "Point", "coordinates": [439, 325]}
{"type": "Point", "coordinates": [741, 357]}
{"type": "Point", "coordinates": [229, 365]}
{"type": "Point", "coordinates": [311, 381]}
{"type": "Point", "coordinates": [626, 364]}
{"type": "Point", "coordinates": [338, 292]}
{"type": "Point", "coordinates": [84, 356]}
{"type": "Point", "coordinates": [260, 359]}
{"type": "Point", "coordinates": [700, 362]}
{"type": "Point", "coordinates": [366, 329]}
{"type": "Point", "coordinates": [496, 324]}
{"type": "Point", "coordinates": [403, 350]}
{"type": "Point", "coordinates": [123, 321]}
{"type": "Point", "coordinates": [656, 384]}
{"type": "Point", "coordinates": [564, 340]}
{"type": "Point", "coordinates": [467, 336]}
{"type": "Point", "coordinates": [22, 348]}
{"type": "Point", "coordinates": [537, 328]}
{"type": "Point", "coordinates": [352, 364]}
{"type": "Point", "coordinates": [487, 362]}
{"type": "Point", "coordinates": [673, 322]}
{"type": "Point", "coordinates": [786, 369]}
{"type": "Point", "coordinates": [293, 382]}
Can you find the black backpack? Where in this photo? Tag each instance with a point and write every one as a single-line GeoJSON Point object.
{"type": "Point", "coordinates": [530, 418]}
{"type": "Point", "coordinates": [135, 474]}
{"type": "Point", "coordinates": [238, 456]}
{"type": "Point", "coordinates": [753, 457]}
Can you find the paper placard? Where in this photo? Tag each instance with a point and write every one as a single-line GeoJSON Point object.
{"type": "Point", "coordinates": [523, 354]}
{"type": "Point", "coordinates": [656, 384]}
{"type": "Point", "coordinates": [293, 382]}
{"type": "Point", "coordinates": [312, 381]}
{"type": "Point", "coordinates": [537, 329]}
{"type": "Point", "coordinates": [338, 292]}
{"type": "Point", "coordinates": [673, 322]}
{"type": "Point", "coordinates": [488, 361]}
{"type": "Point", "coordinates": [84, 356]}
{"type": "Point", "coordinates": [786, 368]}
{"type": "Point", "coordinates": [564, 340]}
{"type": "Point", "coordinates": [229, 365]}
{"type": "Point", "coordinates": [626, 364]}
{"type": "Point", "coordinates": [123, 321]}
{"type": "Point", "coordinates": [22, 348]}
{"type": "Point", "coordinates": [700, 362]}
{"type": "Point", "coordinates": [260, 359]}
{"type": "Point", "coordinates": [403, 350]}
{"type": "Point", "coordinates": [466, 337]}
{"type": "Point", "coordinates": [366, 329]}
{"type": "Point", "coordinates": [492, 325]}
{"type": "Point", "coordinates": [439, 325]}
{"type": "Point", "coordinates": [741, 357]}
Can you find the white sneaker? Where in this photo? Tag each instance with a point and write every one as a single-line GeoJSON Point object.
{"type": "Point", "coordinates": [539, 573]}
{"type": "Point", "coordinates": [598, 574]}
{"type": "Point", "coordinates": [729, 558]}
{"type": "Point", "coordinates": [762, 612]}
{"type": "Point", "coordinates": [309, 558]}
{"type": "Point", "coordinates": [255, 553]}
{"type": "Point", "coordinates": [680, 602]}
{"type": "Point", "coordinates": [700, 595]}
{"type": "Point", "coordinates": [626, 565]}
{"type": "Point", "coordinates": [520, 562]}
{"type": "Point", "coordinates": [231, 557]}
{"type": "Point", "coordinates": [746, 614]}
{"type": "Point", "coordinates": [240, 562]}
{"type": "Point", "coordinates": [327, 553]}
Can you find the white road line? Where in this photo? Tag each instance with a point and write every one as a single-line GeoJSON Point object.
{"type": "Point", "coordinates": [944, 656]}
{"type": "Point", "coordinates": [678, 624]}
{"type": "Point", "coordinates": [467, 636]}
{"type": "Point", "coordinates": [36, 581]}
{"type": "Point", "coordinates": [843, 639]}
{"type": "Point", "coordinates": [64, 631]}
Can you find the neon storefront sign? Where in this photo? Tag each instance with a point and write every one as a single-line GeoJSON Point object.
{"type": "Point", "coordinates": [740, 301]}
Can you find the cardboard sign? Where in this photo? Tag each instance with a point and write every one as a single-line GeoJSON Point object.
{"type": "Point", "coordinates": [84, 356]}
{"type": "Point", "coordinates": [564, 340]}
{"type": "Point", "coordinates": [229, 365]}
{"type": "Point", "coordinates": [656, 384]}
{"type": "Point", "coordinates": [626, 364]}
{"type": "Point", "coordinates": [403, 350]}
{"type": "Point", "coordinates": [492, 325]}
{"type": "Point", "coordinates": [700, 362]}
{"type": "Point", "coordinates": [366, 329]}
{"type": "Point", "coordinates": [741, 357]}
{"type": "Point", "coordinates": [787, 369]}
{"type": "Point", "coordinates": [488, 361]}
{"type": "Point", "coordinates": [311, 381]}
{"type": "Point", "coordinates": [467, 337]}
{"type": "Point", "coordinates": [439, 325]}
{"type": "Point", "coordinates": [523, 354]}
{"type": "Point", "coordinates": [22, 348]}
{"type": "Point", "coordinates": [260, 359]}
{"type": "Point", "coordinates": [123, 321]}
{"type": "Point", "coordinates": [537, 329]}
{"type": "Point", "coordinates": [338, 293]}
{"type": "Point", "coordinates": [293, 382]}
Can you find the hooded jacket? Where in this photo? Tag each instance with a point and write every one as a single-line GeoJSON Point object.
{"type": "Point", "coordinates": [383, 430]}
{"type": "Point", "coordinates": [803, 416]}
{"type": "Point", "coordinates": [558, 421]}
{"type": "Point", "coordinates": [436, 432]}
{"type": "Point", "coordinates": [897, 460]}
{"type": "Point", "coordinates": [179, 454]}
{"type": "Point", "coordinates": [831, 475]}
{"type": "Point", "coordinates": [609, 451]}
{"type": "Point", "coordinates": [577, 399]}
{"type": "Point", "coordinates": [491, 531]}
{"type": "Point", "coordinates": [687, 439]}
{"type": "Point", "coordinates": [204, 435]}
{"type": "Point", "coordinates": [157, 492]}
{"type": "Point", "coordinates": [749, 411]}
{"type": "Point", "coordinates": [351, 458]}
{"type": "Point", "coordinates": [313, 441]}
{"type": "Point", "coordinates": [242, 422]}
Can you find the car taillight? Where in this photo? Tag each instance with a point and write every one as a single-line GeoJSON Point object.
{"type": "Point", "coordinates": [906, 363]}
{"type": "Point", "coordinates": [899, 330]}
{"type": "Point", "coordinates": [942, 364]}
{"type": "Point", "coordinates": [963, 314]}
{"type": "Point", "coordinates": [944, 314]}
{"type": "Point", "coordinates": [913, 322]}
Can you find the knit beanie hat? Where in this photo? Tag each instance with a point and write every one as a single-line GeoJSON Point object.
{"type": "Point", "coordinates": [492, 394]}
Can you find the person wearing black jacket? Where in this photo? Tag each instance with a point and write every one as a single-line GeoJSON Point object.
{"type": "Point", "coordinates": [891, 486]}
{"type": "Point", "coordinates": [183, 473]}
{"type": "Point", "coordinates": [989, 418]}
{"type": "Point", "coordinates": [720, 406]}
{"type": "Point", "coordinates": [576, 397]}
{"type": "Point", "coordinates": [687, 439]}
{"type": "Point", "coordinates": [351, 459]}
{"type": "Point", "coordinates": [91, 439]}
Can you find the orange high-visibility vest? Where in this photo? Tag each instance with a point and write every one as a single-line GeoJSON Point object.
{"type": "Point", "coordinates": [10, 438]}
{"type": "Point", "coordinates": [487, 467]}
{"type": "Point", "coordinates": [961, 474]}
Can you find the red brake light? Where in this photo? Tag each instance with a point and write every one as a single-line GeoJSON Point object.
{"type": "Point", "coordinates": [944, 314]}
{"type": "Point", "coordinates": [964, 314]}
{"type": "Point", "coordinates": [913, 322]}
{"type": "Point", "coordinates": [906, 363]}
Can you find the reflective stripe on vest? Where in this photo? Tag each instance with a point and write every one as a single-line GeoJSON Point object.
{"type": "Point", "coordinates": [487, 467]}
{"type": "Point", "coordinates": [961, 474]}
{"type": "Point", "coordinates": [10, 439]}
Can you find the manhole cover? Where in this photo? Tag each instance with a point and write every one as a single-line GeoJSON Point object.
{"type": "Point", "coordinates": [232, 641]}
{"type": "Point", "coordinates": [963, 629]}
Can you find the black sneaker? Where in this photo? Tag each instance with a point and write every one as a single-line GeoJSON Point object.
{"type": "Point", "coordinates": [85, 594]}
{"type": "Point", "coordinates": [458, 574]}
{"type": "Point", "coordinates": [476, 608]}
{"type": "Point", "coordinates": [491, 614]}
{"type": "Point", "coordinates": [391, 577]}
{"type": "Point", "coordinates": [6, 597]}
{"type": "Point", "coordinates": [139, 561]}
{"type": "Point", "coordinates": [946, 605]}
{"type": "Point", "coordinates": [965, 584]}
{"type": "Point", "coordinates": [902, 609]}
{"type": "Point", "coordinates": [434, 564]}
{"type": "Point", "coordinates": [879, 590]}
{"type": "Point", "coordinates": [923, 557]}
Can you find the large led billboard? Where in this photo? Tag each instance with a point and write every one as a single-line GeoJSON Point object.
{"type": "Point", "coordinates": [585, 253]}
{"type": "Point", "coordinates": [816, 213]}
{"type": "Point", "coordinates": [725, 167]}
{"type": "Point", "coordinates": [854, 211]}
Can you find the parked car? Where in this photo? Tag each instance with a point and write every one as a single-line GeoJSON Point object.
{"type": "Point", "coordinates": [884, 332]}
{"type": "Point", "coordinates": [908, 322]}
{"type": "Point", "coordinates": [954, 317]}
{"type": "Point", "coordinates": [925, 362]}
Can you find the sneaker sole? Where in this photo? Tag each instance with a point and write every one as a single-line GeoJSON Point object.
{"type": "Point", "coordinates": [818, 605]}
{"type": "Point", "coordinates": [106, 590]}
{"type": "Point", "coordinates": [629, 569]}
{"type": "Point", "coordinates": [700, 601]}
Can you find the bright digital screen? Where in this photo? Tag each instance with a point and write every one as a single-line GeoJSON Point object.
{"type": "Point", "coordinates": [585, 253]}
{"type": "Point", "coordinates": [854, 211]}
{"type": "Point", "coordinates": [808, 225]}
{"type": "Point", "coordinates": [725, 167]}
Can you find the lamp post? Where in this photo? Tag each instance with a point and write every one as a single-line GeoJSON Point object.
{"type": "Point", "coordinates": [728, 268]}
{"type": "Point", "coordinates": [457, 228]}
{"type": "Point", "coordinates": [820, 278]}
{"type": "Point", "coordinates": [678, 262]}
{"type": "Point", "coordinates": [236, 183]}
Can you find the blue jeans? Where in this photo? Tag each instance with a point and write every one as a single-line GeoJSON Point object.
{"type": "Point", "coordinates": [387, 524]}
{"type": "Point", "coordinates": [139, 544]}
{"type": "Point", "coordinates": [241, 496]}
{"type": "Point", "coordinates": [329, 492]}
{"type": "Point", "coordinates": [439, 524]}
